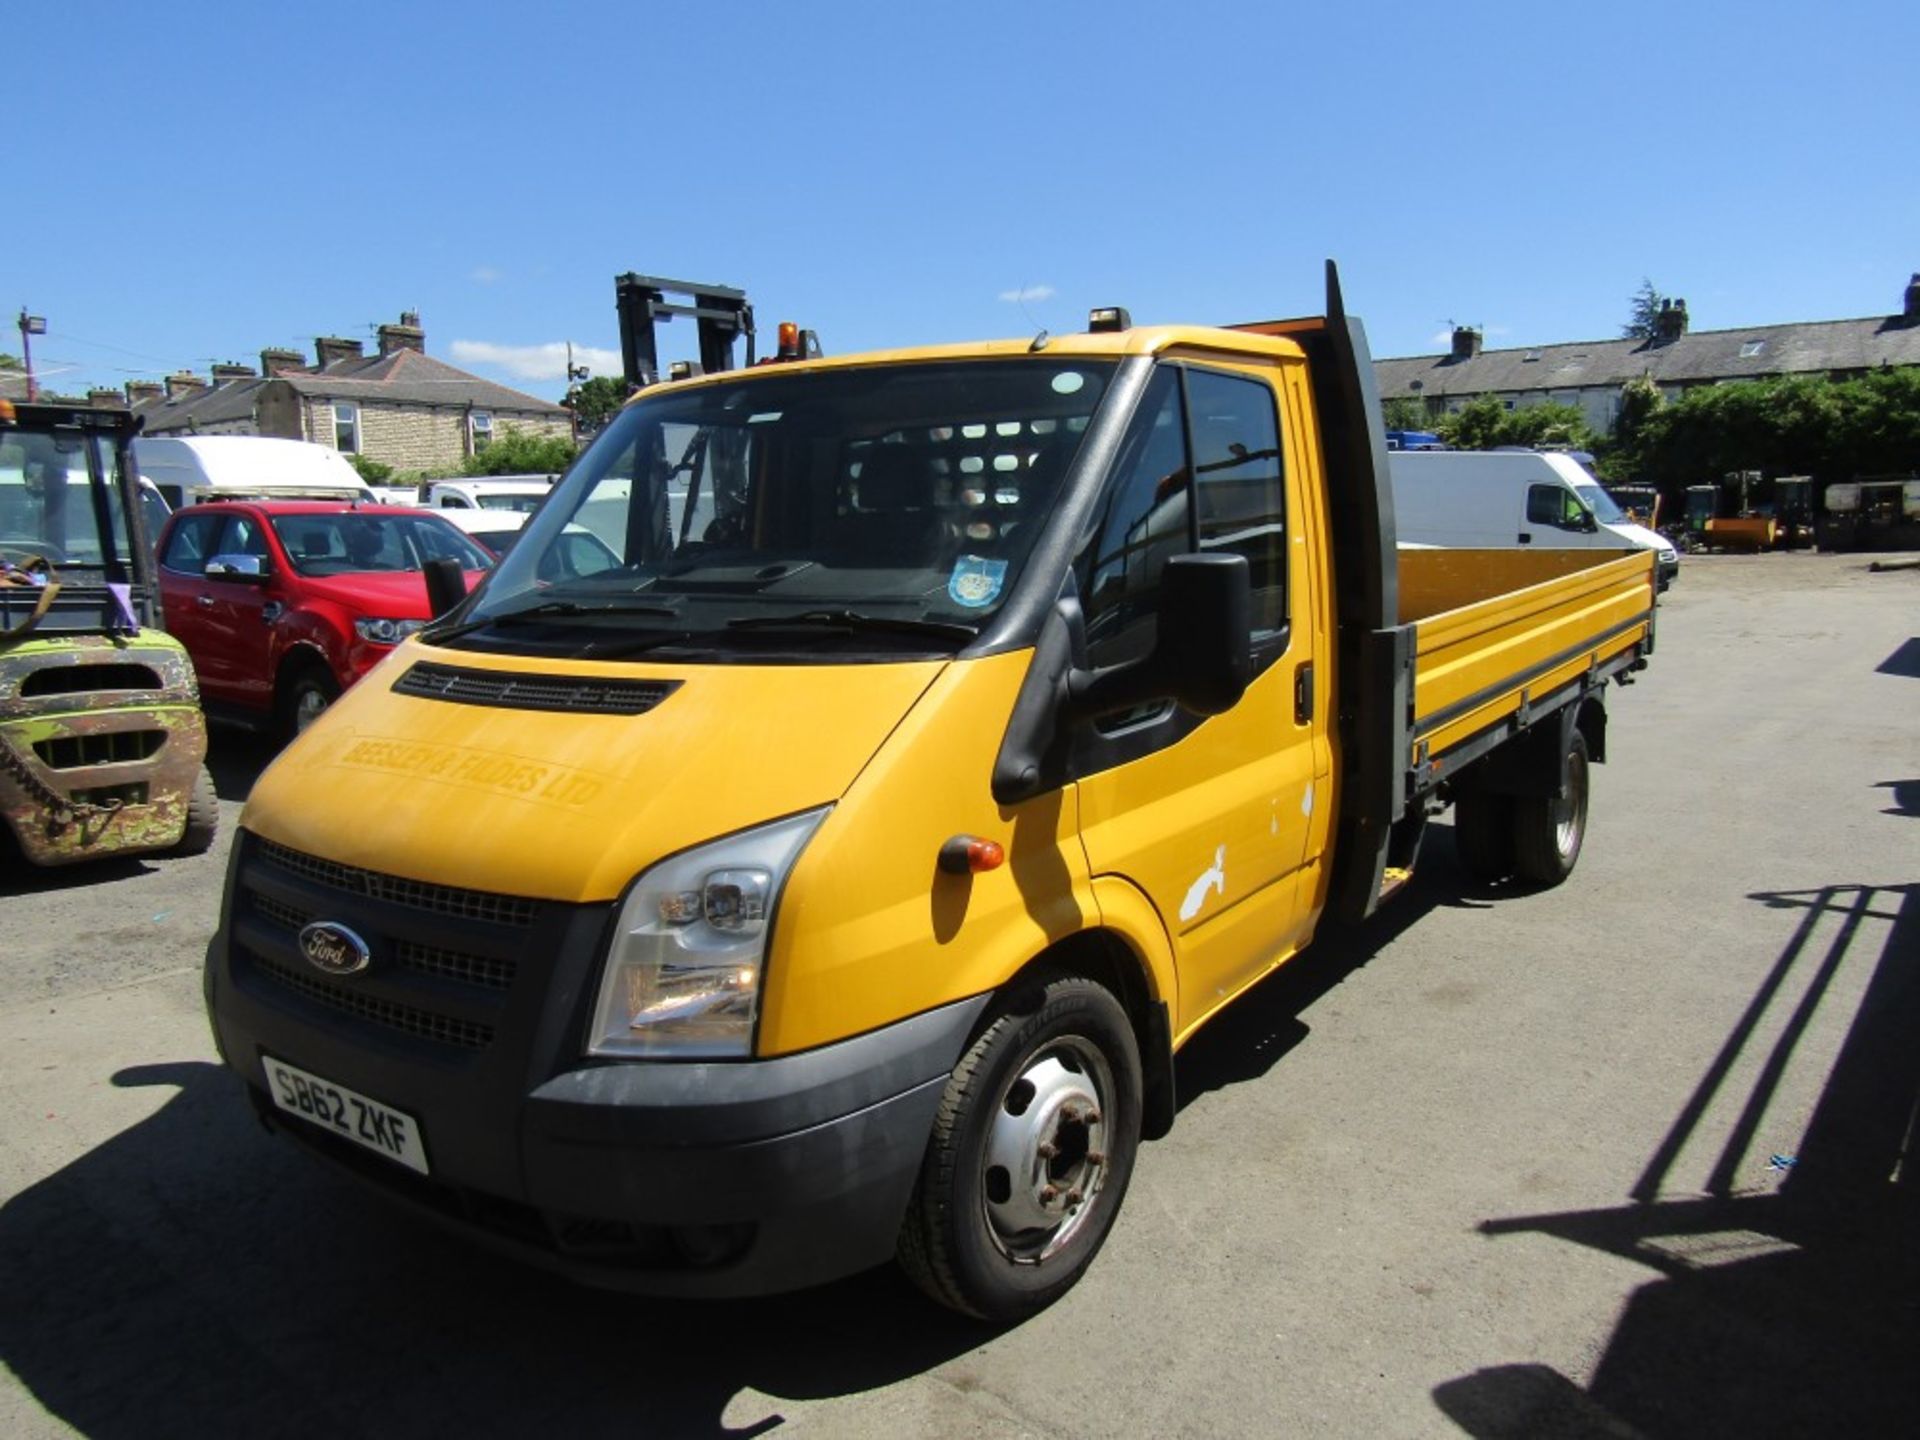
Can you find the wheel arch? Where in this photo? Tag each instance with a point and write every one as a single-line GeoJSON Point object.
{"type": "Point", "coordinates": [1111, 958]}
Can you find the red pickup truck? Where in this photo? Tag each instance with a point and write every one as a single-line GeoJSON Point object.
{"type": "Point", "coordinates": [284, 604]}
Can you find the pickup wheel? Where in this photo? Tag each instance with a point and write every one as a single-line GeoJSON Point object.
{"type": "Point", "coordinates": [1031, 1152]}
{"type": "Point", "coordinates": [1548, 831]}
{"type": "Point", "coordinates": [1483, 835]}
{"type": "Point", "coordinates": [303, 697]}
{"type": "Point", "coordinates": [203, 816]}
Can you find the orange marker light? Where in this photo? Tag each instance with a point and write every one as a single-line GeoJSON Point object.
{"type": "Point", "coordinates": [789, 340]}
{"type": "Point", "coordinates": [970, 855]}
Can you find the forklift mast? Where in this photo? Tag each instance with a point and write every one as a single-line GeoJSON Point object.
{"type": "Point", "coordinates": [722, 314]}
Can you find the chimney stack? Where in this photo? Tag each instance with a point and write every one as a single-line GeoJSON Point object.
{"type": "Point", "coordinates": [231, 371]}
{"type": "Point", "coordinates": [139, 392]}
{"type": "Point", "coordinates": [1912, 313]}
{"type": "Point", "coordinates": [331, 348]}
{"type": "Point", "coordinates": [106, 399]}
{"type": "Point", "coordinates": [1671, 323]}
{"type": "Point", "coordinates": [182, 383]}
{"type": "Point", "coordinates": [407, 335]}
{"type": "Point", "coordinates": [1466, 342]}
{"type": "Point", "coordinates": [281, 362]}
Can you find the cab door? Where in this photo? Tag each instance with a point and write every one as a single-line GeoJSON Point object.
{"type": "Point", "coordinates": [1210, 818]}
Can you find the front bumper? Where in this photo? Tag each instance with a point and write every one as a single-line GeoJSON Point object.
{"type": "Point", "coordinates": [699, 1178]}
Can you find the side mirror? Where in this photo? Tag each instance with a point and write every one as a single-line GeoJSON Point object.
{"type": "Point", "coordinates": [1202, 656]}
{"type": "Point", "coordinates": [247, 569]}
{"type": "Point", "coordinates": [1587, 524]}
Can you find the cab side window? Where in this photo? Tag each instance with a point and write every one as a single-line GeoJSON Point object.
{"type": "Point", "coordinates": [1228, 496]}
{"type": "Point", "coordinates": [191, 543]}
{"type": "Point", "coordinates": [1238, 495]}
{"type": "Point", "coordinates": [1553, 505]}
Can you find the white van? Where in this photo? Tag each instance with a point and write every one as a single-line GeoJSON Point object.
{"type": "Point", "coordinates": [1499, 499]}
{"type": "Point", "coordinates": [521, 493]}
{"type": "Point", "coordinates": [192, 469]}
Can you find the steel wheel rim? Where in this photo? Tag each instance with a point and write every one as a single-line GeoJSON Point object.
{"type": "Point", "coordinates": [1569, 812]}
{"type": "Point", "coordinates": [1046, 1152]}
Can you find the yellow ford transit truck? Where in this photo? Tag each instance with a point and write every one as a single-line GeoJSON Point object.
{"type": "Point", "coordinates": [815, 840]}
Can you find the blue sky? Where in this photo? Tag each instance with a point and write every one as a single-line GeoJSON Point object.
{"type": "Point", "coordinates": [192, 183]}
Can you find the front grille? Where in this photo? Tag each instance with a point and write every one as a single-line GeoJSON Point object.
{"type": "Point", "coordinates": [407, 1019]}
{"type": "Point", "coordinates": [482, 970]}
{"type": "Point", "coordinates": [478, 905]}
{"type": "Point", "coordinates": [112, 747]}
{"type": "Point", "coordinates": [113, 796]}
{"type": "Point", "coordinates": [572, 693]}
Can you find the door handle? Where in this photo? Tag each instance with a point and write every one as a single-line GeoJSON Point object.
{"type": "Point", "coordinates": [1303, 694]}
{"type": "Point", "coordinates": [271, 611]}
{"type": "Point", "coordinates": [205, 602]}
{"type": "Point", "coordinates": [1526, 538]}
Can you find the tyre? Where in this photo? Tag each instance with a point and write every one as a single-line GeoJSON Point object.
{"type": "Point", "coordinates": [203, 816]}
{"type": "Point", "coordinates": [1030, 1155]}
{"type": "Point", "coordinates": [1548, 832]}
{"type": "Point", "coordinates": [305, 697]}
{"type": "Point", "coordinates": [1483, 835]}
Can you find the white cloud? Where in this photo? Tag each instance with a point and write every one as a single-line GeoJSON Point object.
{"type": "Point", "coordinates": [1027, 292]}
{"type": "Point", "coordinates": [486, 275]}
{"type": "Point", "coordinates": [534, 362]}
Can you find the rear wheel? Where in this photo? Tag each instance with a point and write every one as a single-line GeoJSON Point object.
{"type": "Point", "coordinates": [1030, 1156]}
{"type": "Point", "coordinates": [203, 816]}
{"type": "Point", "coordinates": [1483, 835]}
{"type": "Point", "coordinates": [1547, 830]}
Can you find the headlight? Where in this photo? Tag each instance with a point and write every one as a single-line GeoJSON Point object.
{"type": "Point", "coordinates": [690, 946]}
{"type": "Point", "coordinates": [386, 632]}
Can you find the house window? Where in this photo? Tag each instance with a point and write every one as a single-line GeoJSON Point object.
{"type": "Point", "coordinates": [346, 427]}
{"type": "Point", "coordinates": [1752, 349]}
{"type": "Point", "coordinates": [479, 430]}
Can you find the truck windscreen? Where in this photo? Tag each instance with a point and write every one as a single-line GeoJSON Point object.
{"type": "Point", "coordinates": [899, 500]}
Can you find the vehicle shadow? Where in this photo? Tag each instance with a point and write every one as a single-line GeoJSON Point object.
{"type": "Point", "coordinates": [1250, 1036]}
{"type": "Point", "coordinates": [237, 756]}
{"type": "Point", "coordinates": [193, 1276]}
{"type": "Point", "coordinates": [1794, 1311]}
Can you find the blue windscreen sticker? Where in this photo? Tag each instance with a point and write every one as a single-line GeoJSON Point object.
{"type": "Point", "coordinates": [976, 581]}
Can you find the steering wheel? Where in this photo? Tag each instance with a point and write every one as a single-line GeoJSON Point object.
{"type": "Point", "coordinates": [26, 547]}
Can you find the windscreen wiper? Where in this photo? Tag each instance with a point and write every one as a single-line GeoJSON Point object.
{"type": "Point", "coordinates": [527, 613]}
{"type": "Point", "coordinates": [855, 620]}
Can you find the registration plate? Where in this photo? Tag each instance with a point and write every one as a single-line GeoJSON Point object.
{"type": "Point", "coordinates": [348, 1114]}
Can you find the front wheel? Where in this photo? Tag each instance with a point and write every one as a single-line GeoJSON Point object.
{"type": "Point", "coordinates": [1030, 1156]}
{"type": "Point", "coordinates": [1548, 830]}
{"type": "Point", "coordinates": [203, 816]}
{"type": "Point", "coordinates": [305, 698]}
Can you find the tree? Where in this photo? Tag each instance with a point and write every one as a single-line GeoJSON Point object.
{"type": "Point", "coordinates": [374, 472]}
{"type": "Point", "coordinates": [10, 362]}
{"type": "Point", "coordinates": [1646, 303]}
{"type": "Point", "coordinates": [517, 452]}
{"type": "Point", "coordinates": [1485, 423]}
{"type": "Point", "coordinates": [1403, 412]}
{"type": "Point", "coordinates": [595, 402]}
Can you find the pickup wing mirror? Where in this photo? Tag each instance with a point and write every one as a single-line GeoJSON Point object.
{"type": "Point", "coordinates": [247, 569]}
{"type": "Point", "coordinates": [1202, 656]}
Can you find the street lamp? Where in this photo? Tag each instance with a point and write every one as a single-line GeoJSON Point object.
{"type": "Point", "coordinates": [30, 325]}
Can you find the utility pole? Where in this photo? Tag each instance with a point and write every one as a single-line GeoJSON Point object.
{"type": "Point", "coordinates": [30, 325]}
